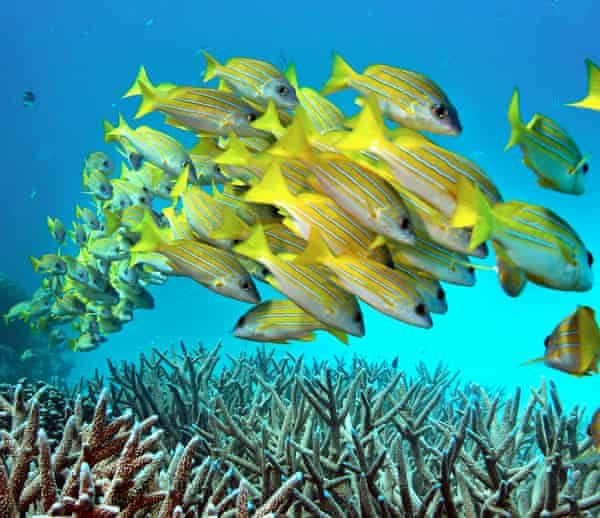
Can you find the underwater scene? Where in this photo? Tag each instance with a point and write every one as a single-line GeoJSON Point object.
{"type": "Point", "coordinates": [314, 260]}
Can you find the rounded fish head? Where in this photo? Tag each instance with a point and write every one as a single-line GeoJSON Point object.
{"type": "Point", "coordinates": [440, 117]}
{"type": "Point", "coordinates": [282, 93]}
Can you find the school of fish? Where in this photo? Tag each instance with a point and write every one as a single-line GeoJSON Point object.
{"type": "Point", "coordinates": [283, 188]}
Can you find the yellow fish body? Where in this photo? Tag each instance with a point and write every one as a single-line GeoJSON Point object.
{"type": "Point", "coordinates": [405, 97]}
{"type": "Point", "coordinates": [548, 151]}
{"type": "Point", "coordinates": [574, 344]}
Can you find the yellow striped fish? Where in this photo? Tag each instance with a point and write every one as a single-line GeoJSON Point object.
{"type": "Point", "coordinates": [341, 233]}
{"type": "Point", "coordinates": [179, 227]}
{"type": "Point", "coordinates": [278, 321]}
{"type": "Point", "coordinates": [201, 155]}
{"type": "Point", "coordinates": [212, 267]}
{"type": "Point", "coordinates": [324, 116]}
{"type": "Point", "coordinates": [254, 79]}
{"type": "Point", "coordinates": [430, 289]}
{"type": "Point", "coordinates": [202, 110]}
{"type": "Point", "coordinates": [387, 290]}
{"type": "Point", "coordinates": [574, 344]}
{"type": "Point", "coordinates": [307, 286]}
{"type": "Point", "coordinates": [418, 165]}
{"type": "Point", "coordinates": [283, 240]}
{"type": "Point", "coordinates": [535, 239]}
{"type": "Point", "coordinates": [434, 261]}
{"type": "Point", "coordinates": [592, 100]}
{"type": "Point", "coordinates": [365, 195]}
{"type": "Point", "coordinates": [548, 151]}
{"type": "Point", "coordinates": [405, 97]}
{"type": "Point", "coordinates": [148, 144]}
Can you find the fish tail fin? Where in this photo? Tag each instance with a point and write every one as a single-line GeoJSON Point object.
{"type": "Point", "coordinates": [151, 237]}
{"type": "Point", "coordinates": [142, 77]}
{"type": "Point", "coordinates": [316, 250]}
{"type": "Point", "coordinates": [35, 263]}
{"type": "Point", "coordinates": [514, 118]}
{"type": "Point", "coordinates": [473, 210]}
{"type": "Point", "coordinates": [290, 75]}
{"type": "Point", "coordinates": [340, 335]}
{"type": "Point", "coordinates": [256, 246]}
{"type": "Point", "coordinates": [293, 143]}
{"type": "Point", "coordinates": [592, 99]}
{"type": "Point", "coordinates": [212, 66]}
{"type": "Point", "coordinates": [180, 185]}
{"type": "Point", "coordinates": [368, 130]}
{"type": "Point", "coordinates": [150, 99]}
{"type": "Point", "coordinates": [341, 74]}
{"type": "Point", "coordinates": [108, 129]}
{"type": "Point", "coordinates": [589, 337]}
{"type": "Point", "coordinates": [112, 222]}
{"type": "Point", "coordinates": [235, 154]}
{"type": "Point", "coordinates": [269, 121]}
{"type": "Point", "coordinates": [271, 190]}
{"type": "Point", "coordinates": [232, 226]}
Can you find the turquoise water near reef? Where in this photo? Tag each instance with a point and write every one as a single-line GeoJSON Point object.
{"type": "Point", "coordinates": [79, 57]}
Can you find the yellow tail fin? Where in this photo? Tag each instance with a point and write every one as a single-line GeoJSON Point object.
{"type": "Point", "coordinates": [514, 117]}
{"type": "Point", "coordinates": [151, 235]}
{"type": "Point", "coordinates": [316, 250]}
{"type": "Point", "coordinates": [369, 131]}
{"type": "Point", "coordinates": [293, 143]}
{"type": "Point", "coordinates": [272, 189]}
{"type": "Point", "coordinates": [150, 99]}
{"type": "Point", "coordinates": [35, 263]}
{"type": "Point", "coordinates": [212, 67]}
{"type": "Point", "coordinates": [473, 210]}
{"type": "Point", "coordinates": [592, 99]}
{"type": "Point", "coordinates": [341, 75]}
{"type": "Point", "coordinates": [290, 75]}
{"type": "Point", "coordinates": [142, 77]}
{"type": "Point", "coordinates": [256, 246]}
{"type": "Point", "coordinates": [269, 121]}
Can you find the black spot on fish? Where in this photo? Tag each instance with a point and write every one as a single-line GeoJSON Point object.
{"type": "Point", "coordinates": [28, 99]}
{"type": "Point", "coordinates": [136, 160]}
{"type": "Point", "coordinates": [585, 168]}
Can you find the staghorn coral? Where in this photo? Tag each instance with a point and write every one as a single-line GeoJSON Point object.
{"type": "Point", "coordinates": [270, 434]}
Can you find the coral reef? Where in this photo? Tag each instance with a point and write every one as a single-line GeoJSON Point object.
{"type": "Point", "coordinates": [272, 435]}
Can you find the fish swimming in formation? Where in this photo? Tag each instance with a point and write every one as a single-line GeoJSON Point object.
{"type": "Point", "coordinates": [548, 151]}
{"type": "Point", "coordinates": [405, 97]}
{"type": "Point", "coordinates": [574, 344]}
{"type": "Point", "coordinates": [253, 79]}
{"type": "Point", "coordinates": [280, 186]}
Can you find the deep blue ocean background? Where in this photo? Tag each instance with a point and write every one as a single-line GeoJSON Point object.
{"type": "Point", "coordinates": [80, 57]}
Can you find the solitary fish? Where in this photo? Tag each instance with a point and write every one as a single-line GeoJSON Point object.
{"type": "Point", "coordinates": [534, 238]}
{"type": "Point", "coordinates": [28, 99]}
{"type": "Point", "coordinates": [548, 151]}
{"type": "Point", "coordinates": [574, 344]}
{"type": "Point", "coordinates": [404, 96]}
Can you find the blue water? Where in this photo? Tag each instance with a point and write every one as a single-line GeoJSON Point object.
{"type": "Point", "coordinates": [80, 57]}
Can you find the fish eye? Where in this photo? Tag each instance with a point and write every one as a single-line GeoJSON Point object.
{"type": "Point", "coordinates": [283, 90]}
{"type": "Point", "coordinates": [106, 164]}
{"type": "Point", "coordinates": [585, 168]}
{"type": "Point", "coordinates": [405, 224]}
{"type": "Point", "coordinates": [357, 317]}
{"type": "Point", "coordinates": [251, 117]}
{"type": "Point", "coordinates": [218, 169]}
{"type": "Point", "coordinates": [235, 242]}
{"type": "Point", "coordinates": [421, 310]}
{"type": "Point", "coordinates": [471, 270]}
{"type": "Point", "coordinates": [245, 285]}
{"type": "Point", "coordinates": [441, 294]}
{"type": "Point", "coordinates": [265, 271]}
{"type": "Point", "coordinates": [241, 321]}
{"type": "Point", "coordinates": [590, 258]}
{"type": "Point", "coordinates": [440, 111]}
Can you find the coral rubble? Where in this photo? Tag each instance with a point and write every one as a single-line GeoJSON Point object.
{"type": "Point", "coordinates": [183, 435]}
